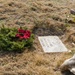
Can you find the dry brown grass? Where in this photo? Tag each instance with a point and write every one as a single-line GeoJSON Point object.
{"type": "Point", "coordinates": [43, 17]}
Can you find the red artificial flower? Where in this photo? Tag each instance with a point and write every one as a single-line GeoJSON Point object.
{"type": "Point", "coordinates": [27, 34]}
{"type": "Point", "coordinates": [17, 35]}
{"type": "Point", "coordinates": [23, 34]}
{"type": "Point", "coordinates": [26, 37]}
{"type": "Point", "coordinates": [21, 31]}
{"type": "Point", "coordinates": [21, 37]}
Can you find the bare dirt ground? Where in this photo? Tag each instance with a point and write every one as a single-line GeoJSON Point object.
{"type": "Point", "coordinates": [42, 17]}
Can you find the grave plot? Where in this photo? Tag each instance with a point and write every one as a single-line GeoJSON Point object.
{"type": "Point", "coordinates": [44, 18]}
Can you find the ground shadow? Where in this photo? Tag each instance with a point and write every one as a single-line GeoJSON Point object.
{"type": "Point", "coordinates": [15, 53]}
{"type": "Point", "coordinates": [41, 31]}
{"type": "Point", "coordinates": [67, 72]}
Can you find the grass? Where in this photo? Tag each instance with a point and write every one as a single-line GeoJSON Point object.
{"type": "Point", "coordinates": [43, 17]}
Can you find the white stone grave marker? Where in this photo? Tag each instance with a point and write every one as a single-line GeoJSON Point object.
{"type": "Point", "coordinates": [52, 44]}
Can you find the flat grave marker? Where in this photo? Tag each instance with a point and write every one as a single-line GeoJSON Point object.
{"type": "Point", "coordinates": [52, 44]}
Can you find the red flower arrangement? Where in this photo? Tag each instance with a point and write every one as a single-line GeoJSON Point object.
{"type": "Point", "coordinates": [13, 39]}
{"type": "Point", "coordinates": [23, 34]}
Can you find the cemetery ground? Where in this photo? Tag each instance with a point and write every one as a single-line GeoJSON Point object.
{"type": "Point", "coordinates": [42, 17]}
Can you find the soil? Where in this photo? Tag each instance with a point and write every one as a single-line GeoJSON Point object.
{"type": "Point", "coordinates": [42, 17]}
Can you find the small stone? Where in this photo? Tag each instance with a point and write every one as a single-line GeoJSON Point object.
{"type": "Point", "coordinates": [72, 11]}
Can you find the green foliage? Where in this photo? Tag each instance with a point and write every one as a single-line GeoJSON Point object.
{"type": "Point", "coordinates": [8, 41]}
